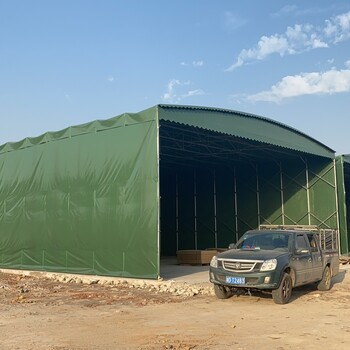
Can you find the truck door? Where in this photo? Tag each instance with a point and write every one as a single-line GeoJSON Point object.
{"type": "Point", "coordinates": [317, 265]}
{"type": "Point", "coordinates": [302, 260]}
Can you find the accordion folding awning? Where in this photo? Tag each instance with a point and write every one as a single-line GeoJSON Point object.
{"type": "Point", "coordinates": [110, 197]}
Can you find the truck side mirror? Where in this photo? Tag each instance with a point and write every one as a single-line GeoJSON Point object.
{"type": "Point", "coordinates": [232, 246]}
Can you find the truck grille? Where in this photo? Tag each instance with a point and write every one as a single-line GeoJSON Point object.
{"type": "Point", "coordinates": [239, 265]}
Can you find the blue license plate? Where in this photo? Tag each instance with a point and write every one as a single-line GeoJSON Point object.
{"type": "Point", "coordinates": [235, 280]}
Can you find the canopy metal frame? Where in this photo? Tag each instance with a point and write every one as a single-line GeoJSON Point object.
{"type": "Point", "coordinates": [197, 149]}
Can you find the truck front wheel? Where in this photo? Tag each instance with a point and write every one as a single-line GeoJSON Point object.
{"type": "Point", "coordinates": [282, 294]}
{"type": "Point", "coordinates": [222, 292]}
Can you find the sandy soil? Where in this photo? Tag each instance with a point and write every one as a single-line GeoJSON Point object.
{"type": "Point", "coordinates": [39, 313]}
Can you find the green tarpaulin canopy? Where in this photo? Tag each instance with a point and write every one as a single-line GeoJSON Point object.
{"type": "Point", "coordinates": [86, 199]}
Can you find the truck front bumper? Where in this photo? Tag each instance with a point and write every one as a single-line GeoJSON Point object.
{"type": "Point", "coordinates": [255, 280]}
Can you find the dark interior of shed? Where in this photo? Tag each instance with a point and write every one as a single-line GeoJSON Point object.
{"type": "Point", "coordinates": [215, 186]}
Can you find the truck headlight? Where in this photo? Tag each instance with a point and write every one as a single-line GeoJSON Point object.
{"type": "Point", "coordinates": [269, 265]}
{"type": "Point", "coordinates": [214, 262]}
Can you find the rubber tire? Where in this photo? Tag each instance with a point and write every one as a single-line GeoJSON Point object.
{"type": "Point", "coordinates": [325, 283]}
{"type": "Point", "coordinates": [282, 294]}
{"type": "Point", "coordinates": [222, 292]}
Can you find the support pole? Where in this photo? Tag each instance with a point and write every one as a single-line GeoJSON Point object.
{"type": "Point", "coordinates": [215, 213]}
{"type": "Point", "coordinates": [177, 210]}
{"type": "Point", "coordinates": [282, 195]}
{"type": "Point", "coordinates": [195, 209]}
{"type": "Point", "coordinates": [307, 192]}
{"type": "Point", "coordinates": [257, 194]}
{"type": "Point", "coordinates": [337, 210]}
{"type": "Point", "coordinates": [235, 202]}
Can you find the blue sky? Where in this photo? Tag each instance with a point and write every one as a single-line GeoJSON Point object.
{"type": "Point", "coordinates": [67, 62]}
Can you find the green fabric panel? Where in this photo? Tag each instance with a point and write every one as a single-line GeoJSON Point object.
{"type": "Point", "coordinates": [225, 194]}
{"type": "Point", "coordinates": [270, 200]}
{"type": "Point", "coordinates": [205, 209]}
{"type": "Point", "coordinates": [247, 205]}
{"type": "Point", "coordinates": [343, 197]}
{"type": "Point", "coordinates": [186, 209]}
{"type": "Point", "coordinates": [345, 239]}
{"type": "Point", "coordinates": [295, 199]}
{"type": "Point", "coordinates": [168, 237]}
{"type": "Point", "coordinates": [205, 214]}
{"type": "Point", "coordinates": [225, 208]}
{"type": "Point", "coordinates": [83, 204]}
{"type": "Point", "coordinates": [246, 126]}
{"type": "Point", "coordinates": [125, 119]}
{"type": "Point", "coordinates": [322, 194]}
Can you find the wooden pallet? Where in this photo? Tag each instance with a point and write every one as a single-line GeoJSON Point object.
{"type": "Point", "coordinates": [195, 257]}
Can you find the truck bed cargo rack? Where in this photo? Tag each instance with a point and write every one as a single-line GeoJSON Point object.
{"type": "Point", "coordinates": [289, 227]}
{"type": "Point", "coordinates": [328, 237]}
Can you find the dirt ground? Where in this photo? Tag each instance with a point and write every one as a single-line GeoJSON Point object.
{"type": "Point", "coordinates": [41, 313]}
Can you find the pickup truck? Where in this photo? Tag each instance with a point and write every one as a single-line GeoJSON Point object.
{"type": "Point", "coordinates": [276, 261]}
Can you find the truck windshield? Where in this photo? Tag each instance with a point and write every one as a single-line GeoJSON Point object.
{"type": "Point", "coordinates": [264, 241]}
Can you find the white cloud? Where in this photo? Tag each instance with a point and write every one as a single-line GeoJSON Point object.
{"type": "Point", "coordinates": [170, 95]}
{"type": "Point", "coordinates": [176, 91]}
{"type": "Point", "coordinates": [190, 93]}
{"type": "Point", "coordinates": [337, 29]}
{"type": "Point", "coordinates": [297, 39]}
{"type": "Point", "coordinates": [199, 63]}
{"type": "Point", "coordinates": [347, 64]}
{"type": "Point", "coordinates": [315, 83]}
{"type": "Point", "coordinates": [110, 79]}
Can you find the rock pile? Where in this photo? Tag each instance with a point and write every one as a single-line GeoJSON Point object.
{"type": "Point", "coordinates": [173, 287]}
{"type": "Point", "coordinates": [176, 288]}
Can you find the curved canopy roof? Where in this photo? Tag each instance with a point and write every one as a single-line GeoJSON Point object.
{"type": "Point", "coordinates": [346, 158]}
{"type": "Point", "coordinates": [226, 122]}
{"type": "Point", "coordinates": [244, 125]}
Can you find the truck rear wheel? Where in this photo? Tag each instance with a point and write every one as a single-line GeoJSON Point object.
{"type": "Point", "coordinates": [282, 294]}
{"type": "Point", "coordinates": [222, 292]}
{"type": "Point", "coordinates": [325, 283]}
